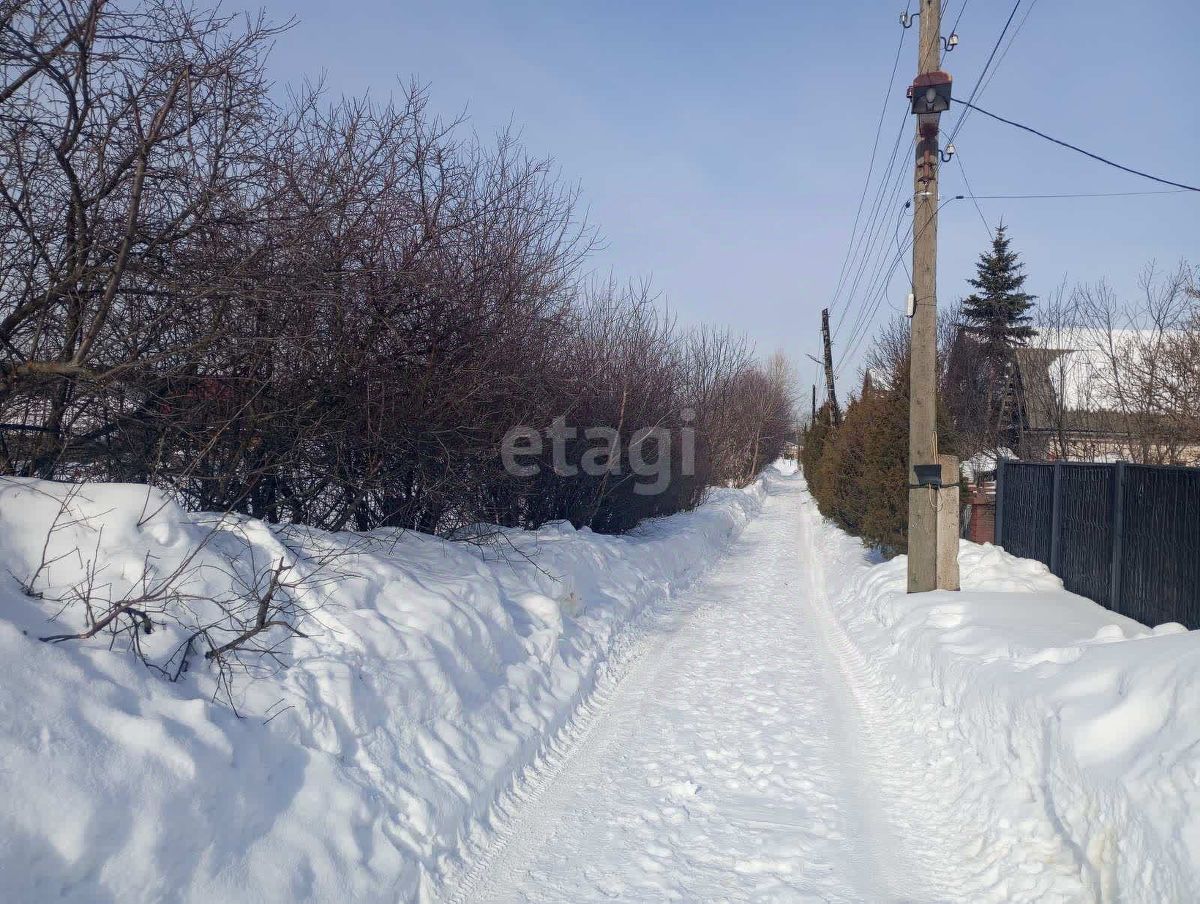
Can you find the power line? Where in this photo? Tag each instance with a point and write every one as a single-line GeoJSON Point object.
{"type": "Point", "coordinates": [868, 309]}
{"type": "Point", "coordinates": [983, 72]}
{"type": "Point", "coordinates": [974, 199]}
{"type": "Point", "coordinates": [866, 240]}
{"type": "Point", "coordinates": [896, 235]}
{"type": "Point", "coordinates": [876, 254]}
{"type": "Point", "coordinates": [962, 9]}
{"type": "Point", "coordinates": [981, 86]}
{"type": "Point", "coordinates": [881, 259]}
{"type": "Point", "coordinates": [881, 289]}
{"type": "Point", "coordinates": [1096, 194]}
{"type": "Point", "coordinates": [1007, 47]}
{"type": "Point", "coordinates": [870, 171]}
{"type": "Point", "coordinates": [880, 283]}
{"type": "Point", "coordinates": [1077, 149]}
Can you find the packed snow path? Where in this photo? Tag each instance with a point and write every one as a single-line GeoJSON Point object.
{"type": "Point", "coordinates": [748, 754]}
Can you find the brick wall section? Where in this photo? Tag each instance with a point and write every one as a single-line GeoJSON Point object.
{"type": "Point", "coordinates": [981, 522]}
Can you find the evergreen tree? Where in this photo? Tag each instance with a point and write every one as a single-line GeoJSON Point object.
{"type": "Point", "coordinates": [996, 313]}
{"type": "Point", "coordinates": [995, 320]}
{"type": "Point", "coordinates": [858, 472]}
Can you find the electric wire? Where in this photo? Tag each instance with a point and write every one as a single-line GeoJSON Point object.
{"type": "Point", "coordinates": [872, 303]}
{"type": "Point", "coordinates": [865, 238]}
{"type": "Point", "coordinates": [866, 247]}
{"type": "Point", "coordinates": [1077, 149]}
{"type": "Point", "coordinates": [1092, 194]}
{"type": "Point", "coordinates": [962, 9]}
{"type": "Point", "coordinates": [875, 262]}
{"type": "Point", "coordinates": [983, 72]}
{"type": "Point", "coordinates": [1004, 53]}
{"type": "Point", "coordinates": [876, 258]}
{"type": "Point", "coordinates": [870, 172]}
{"type": "Point", "coordinates": [889, 186]}
{"type": "Point", "coordinates": [896, 235]}
{"type": "Point", "coordinates": [985, 79]}
{"type": "Point", "coordinates": [954, 28]}
{"type": "Point", "coordinates": [880, 282]}
{"type": "Point", "coordinates": [971, 194]}
{"type": "Point", "coordinates": [867, 310]}
{"type": "Point", "coordinates": [879, 259]}
{"type": "Point", "coordinates": [882, 289]}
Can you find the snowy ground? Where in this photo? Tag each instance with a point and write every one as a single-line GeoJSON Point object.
{"type": "Point", "coordinates": [752, 755]}
{"type": "Point", "coordinates": [798, 728]}
{"type": "Point", "coordinates": [612, 724]}
{"type": "Point", "coordinates": [434, 674]}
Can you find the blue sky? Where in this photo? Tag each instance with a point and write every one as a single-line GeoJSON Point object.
{"type": "Point", "coordinates": [721, 147]}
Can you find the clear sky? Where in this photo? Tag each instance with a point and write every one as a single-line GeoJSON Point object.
{"type": "Point", "coordinates": [722, 147]}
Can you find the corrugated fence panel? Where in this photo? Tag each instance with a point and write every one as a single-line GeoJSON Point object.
{"type": "Point", "coordinates": [1158, 546]}
{"type": "Point", "coordinates": [1028, 505]}
{"type": "Point", "coordinates": [1160, 571]}
{"type": "Point", "coordinates": [1085, 530]}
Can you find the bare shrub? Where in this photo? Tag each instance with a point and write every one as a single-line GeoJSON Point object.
{"type": "Point", "coordinates": [1121, 374]}
{"type": "Point", "coordinates": [314, 312]}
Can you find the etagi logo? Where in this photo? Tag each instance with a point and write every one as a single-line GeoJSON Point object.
{"type": "Point", "coordinates": [649, 452]}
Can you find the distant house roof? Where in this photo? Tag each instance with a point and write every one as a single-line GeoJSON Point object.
{"type": "Point", "coordinates": [1073, 388]}
{"type": "Point", "coordinates": [1082, 370]}
{"type": "Point", "coordinates": [1039, 401]}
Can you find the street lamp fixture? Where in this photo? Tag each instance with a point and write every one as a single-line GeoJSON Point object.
{"type": "Point", "coordinates": [930, 96]}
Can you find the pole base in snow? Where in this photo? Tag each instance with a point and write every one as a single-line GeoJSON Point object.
{"type": "Point", "coordinates": [948, 510]}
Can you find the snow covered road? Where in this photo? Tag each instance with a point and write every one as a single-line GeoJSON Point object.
{"type": "Point", "coordinates": [732, 704]}
{"type": "Point", "coordinates": [749, 754]}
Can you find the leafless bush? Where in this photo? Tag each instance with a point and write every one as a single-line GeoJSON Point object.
{"type": "Point", "coordinates": [1122, 374]}
{"type": "Point", "coordinates": [319, 312]}
{"type": "Point", "coordinates": [128, 138]}
{"type": "Point", "coordinates": [228, 598]}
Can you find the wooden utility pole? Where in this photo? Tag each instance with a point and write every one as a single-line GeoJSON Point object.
{"type": "Point", "coordinates": [948, 524]}
{"type": "Point", "coordinates": [835, 412]}
{"type": "Point", "coordinates": [814, 405]}
{"type": "Point", "coordinates": [922, 412]}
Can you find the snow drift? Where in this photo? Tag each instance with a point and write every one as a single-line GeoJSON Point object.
{"type": "Point", "coordinates": [1048, 704]}
{"type": "Point", "coordinates": [436, 672]}
{"type": "Point", "coordinates": [432, 674]}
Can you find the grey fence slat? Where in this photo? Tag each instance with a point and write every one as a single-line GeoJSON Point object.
{"type": "Point", "coordinates": [1028, 504]}
{"type": "Point", "coordinates": [1084, 559]}
{"type": "Point", "coordinates": [1127, 536]}
{"type": "Point", "coordinates": [998, 520]}
{"type": "Point", "coordinates": [1118, 533]}
{"type": "Point", "coordinates": [1160, 562]}
{"type": "Point", "coordinates": [1056, 519]}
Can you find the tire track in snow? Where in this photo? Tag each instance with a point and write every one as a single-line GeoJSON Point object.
{"type": "Point", "coordinates": [981, 838]}
{"type": "Point", "coordinates": [743, 748]}
{"type": "Point", "coordinates": [759, 799]}
{"type": "Point", "coordinates": [491, 842]}
{"type": "Point", "coordinates": [517, 809]}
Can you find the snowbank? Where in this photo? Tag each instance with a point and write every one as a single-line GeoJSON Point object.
{"type": "Point", "coordinates": [1080, 716]}
{"type": "Point", "coordinates": [436, 671]}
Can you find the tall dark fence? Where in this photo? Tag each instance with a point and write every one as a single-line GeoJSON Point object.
{"type": "Point", "coordinates": [1127, 536]}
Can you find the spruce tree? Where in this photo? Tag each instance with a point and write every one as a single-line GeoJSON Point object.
{"type": "Point", "coordinates": [996, 313]}
{"type": "Point", "coordinates": [995, 316]}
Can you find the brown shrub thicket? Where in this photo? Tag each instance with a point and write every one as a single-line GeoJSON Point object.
{"type": "Point", "coordinates": [1105, 379]}
{"type": "Point", "coordinates": [315, 312]}
{"type": "Point", "coordinates": [858, 471]}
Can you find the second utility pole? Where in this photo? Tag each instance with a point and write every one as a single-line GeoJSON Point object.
{"type": "Point", "coordinates": [835, 413]}
{"type": "Point", "coordinates": [922, 411]}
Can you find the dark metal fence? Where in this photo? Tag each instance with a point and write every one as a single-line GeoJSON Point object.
{"type": "Point", "coordinates": [1127, 536]}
